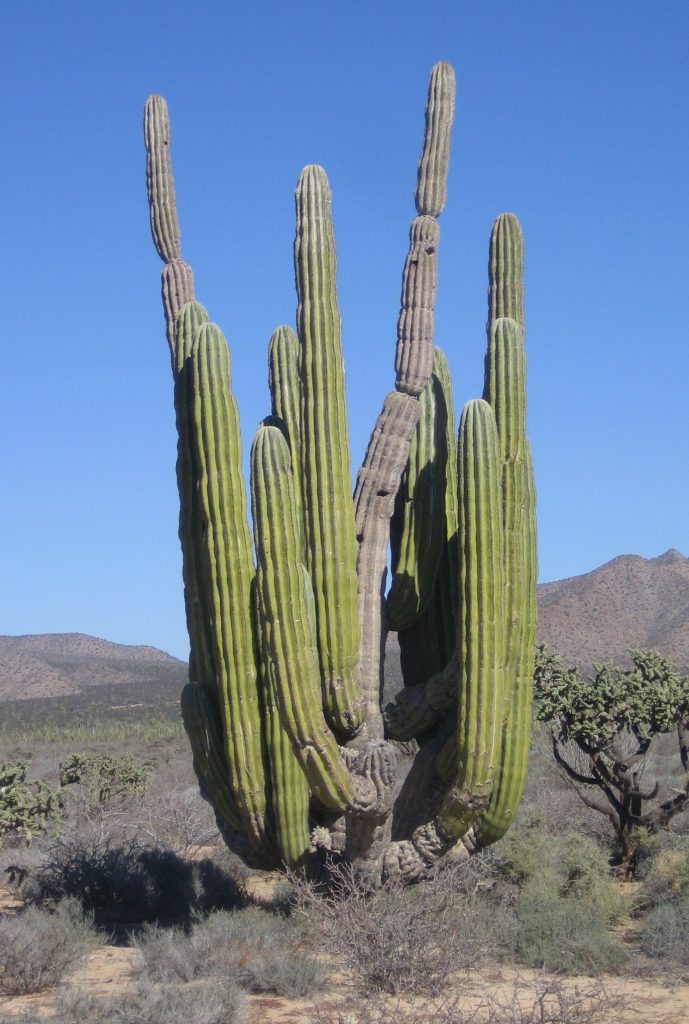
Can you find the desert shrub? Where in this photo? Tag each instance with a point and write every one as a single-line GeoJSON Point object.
{"type": "Point", "coordinates": [254, 948]}
{"type": "Point", "coordinates": [296, 974]}
{"type": "Point", "coordinates": [562, 933]}
{"type": "Point", "coordinates": [143, 1003]}
{"type": "Point", "coordinates": [566, 866]}
{"type": "Point", "coordinates": [531, 1001]}
{"type": "Point", "coordinates": [37, 947]}
{"type": "Point", "coordinates": [26, 808]}
{"type": "Point", "coordinates": [665, 873]}
{"type": "Point", "coordinates": [106, 777]}
{"type": "Point", "coordinates": [398, 941]}
{"type": "Point", "coordinates": [131, 883]}
{"type": "Point", "coordinates": [664, 932]}
{"type": "Point", "coordinates": [173, 816]}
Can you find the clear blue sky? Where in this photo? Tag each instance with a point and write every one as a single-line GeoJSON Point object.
{"type": "Point", "coordinates": [571, 114]}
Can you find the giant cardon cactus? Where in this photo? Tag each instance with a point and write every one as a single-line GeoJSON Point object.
{"type": "Point", "coordinates": [288, 632]}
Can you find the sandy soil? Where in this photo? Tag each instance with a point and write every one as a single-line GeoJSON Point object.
{"type": "Point", "coordinates": [109, 968]}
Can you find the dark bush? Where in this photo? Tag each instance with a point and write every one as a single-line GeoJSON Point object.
{"type": "Point", "coordinates": [125, 884]}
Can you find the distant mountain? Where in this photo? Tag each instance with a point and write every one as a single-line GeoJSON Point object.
{"type": "Point", "coordinates": [628, 602]}
{"type": "Point", "coordinates": [65, 664]}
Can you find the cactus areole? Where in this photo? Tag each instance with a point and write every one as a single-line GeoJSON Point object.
{"type": "Point", "coordinates": [287, 628]}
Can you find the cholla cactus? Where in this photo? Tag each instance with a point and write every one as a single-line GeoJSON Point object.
{"type": "Point", "coordinates": [283, 708]}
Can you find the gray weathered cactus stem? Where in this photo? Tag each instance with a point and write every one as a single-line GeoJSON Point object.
{"type": "Point", "coordinates": [287, 634]}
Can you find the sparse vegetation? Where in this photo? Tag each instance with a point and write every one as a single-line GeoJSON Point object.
{"type": "Point", "coordinates": [543, 896]}
{"type": "Point", "coordinates": [209, 1002]}
{"type": "Point", "coordinates": [397, 942]}
{"type": "Point", "coordinates": [530, 1001]}
{"type": "Point", "coordinates": [254, 948]}
{"type": "Point", "coordinates": [37, 947]}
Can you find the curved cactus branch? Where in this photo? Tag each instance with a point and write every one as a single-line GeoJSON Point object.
{"type": "Point", "coordinates": [286, 601]}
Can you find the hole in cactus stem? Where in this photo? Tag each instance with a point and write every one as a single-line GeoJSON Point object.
{"type": "Point", "coordinates": [382, 494]}
{"type": "Point", "coordinates": [430, 250]}
{"type": "Point", "coordinates": [359, 538]}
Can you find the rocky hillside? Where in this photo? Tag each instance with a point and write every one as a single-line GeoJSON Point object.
{"type": "Point", "coordinates": [65, 664]}
{"type": "Point", "coordinates": [628, 602]}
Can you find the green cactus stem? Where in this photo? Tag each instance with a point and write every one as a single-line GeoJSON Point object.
{"type": "Point", "coordinates": [289, 790]}
{"type": "Point", "coordinates": [287, 637]}
{"type": "Point", "coordinates": [205, 736]}
{"type": "Point", "coordinates": [285, 393]}
{"type": "Point", "coordinates": [418, 529]}
{"type": "Point", "coordinates": [191, 316]}
{"type": "Point", "coordinates": [224, 562]}
{"type": "Point", "coordinates": [505, 389]}
{"type": "Point", "coordinates": [506, 271]}
{"type": "Point", "coordinates": [481, 647]}
{"type": "Point", "coordinates": [325, 463]}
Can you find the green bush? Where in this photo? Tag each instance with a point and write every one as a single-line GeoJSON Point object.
{"type": "Point", "coordinates": [664, 932]}
{"type": "Point", "coordinates": [566, 866]}
{"type": "Point", "coordinates": [665, 873]}
{"type": "Point", "coordinates": [562, 934]}
{"type": "Point", "coordinates": [26, 808]}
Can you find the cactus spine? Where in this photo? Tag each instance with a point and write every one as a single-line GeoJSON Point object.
{"type": "Point", "coordinates": [286, 670]}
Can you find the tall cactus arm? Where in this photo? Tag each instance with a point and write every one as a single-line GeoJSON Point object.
{"type": "Point", "coordinates": [287, 638]}
{"type": "Point", "coordinates": [510, 777]}
{"type": "Point", "coordinates": [289, 790]}
{"type": "Point", "coordinates": [225, 562]}
{"type": "Point", "coordinates": [177, 289]}
{"type": "Point", "coordinates": [177, 276]}
{"type": "Point", "coordinates": [506, 385]}
{"type": "Point", "coordinates": [427, 646]}
{"type": "Point", "coordinates": [159, 180]}
{"type": "Point", "coordinates": [210, 764]}
{"type": "Point", "coordinates": [416, 322]}
{"type": "Point", "coordinates": [431, 185]}
{"type": "Point", "coordinates": [505, 389]}
{"type": "Point", "coordinates": [469, 757]}
{"type": "Point", "coordinates": [418, 530]}
{"type": "Point", "coordinates": [506, 271]}
{"type": "Point", "coordinates": [480, 652]}
{"type": "Point", "coordinates": [191, 316]}
{"type": "Point", "coordinates": [325, 461]}
{"type": "Point", "coordinates": [388, 448]}
{"type": "Point", "coordinates": [285, 393]}
{"type": "Point", "coordinates": [374, 498]}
